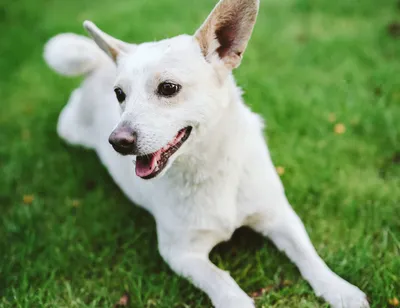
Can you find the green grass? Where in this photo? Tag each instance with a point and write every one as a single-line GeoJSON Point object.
{"type": "Point", "coordinates": [306, 60]}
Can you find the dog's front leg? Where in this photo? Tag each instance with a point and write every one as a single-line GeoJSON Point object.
{"type": "Point", "coordinates": [192, 262]}
{"type": "Point", "coordinates": [287, 231]}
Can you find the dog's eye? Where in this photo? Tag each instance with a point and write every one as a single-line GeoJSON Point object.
{"type": "Point", "coordinates": [168, 89]}
{"type": "Point", "coordinates": [120, 94]}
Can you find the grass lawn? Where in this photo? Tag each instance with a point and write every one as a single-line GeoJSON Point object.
{"type": "Point", "coordinates": [69, 238]}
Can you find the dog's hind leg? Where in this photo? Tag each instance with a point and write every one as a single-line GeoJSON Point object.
{"type": "Point", "coordinates": [72, 55]}
{"type": "Point", "coordinates": [71, 126]}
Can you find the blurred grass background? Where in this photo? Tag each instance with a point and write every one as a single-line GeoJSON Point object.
{"type": "Point", "coordinates": [326, 77]}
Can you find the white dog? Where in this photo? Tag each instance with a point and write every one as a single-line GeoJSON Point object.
{"type": "Point", "coordinates": [178, 119]}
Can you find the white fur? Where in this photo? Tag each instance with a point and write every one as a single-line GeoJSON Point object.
{"type": "Point", "coordinates": [220, 179]}
{"type": "Point", "coordinates": [70, 54]}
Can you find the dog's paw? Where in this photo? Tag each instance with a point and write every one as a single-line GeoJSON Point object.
{"type": "Point", "coordinates": [341, 294]}
{"type": "Point", "coordinates": [235, 301]}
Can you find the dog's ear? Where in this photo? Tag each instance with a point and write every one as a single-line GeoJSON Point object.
{"type": "Point", "coordinates": [227, 30]}
{"type": "Point", "coordinates": [110, 45]}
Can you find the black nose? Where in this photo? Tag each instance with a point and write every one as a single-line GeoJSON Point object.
{"type": "Point", "coordinates": [123, 140]}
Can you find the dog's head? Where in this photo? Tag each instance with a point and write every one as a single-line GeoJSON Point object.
{"type": "Point", "coordinates": [171, 90]}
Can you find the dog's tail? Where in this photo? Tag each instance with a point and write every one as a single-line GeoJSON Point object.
{"type": "Point", "coordinates": [71, 54]}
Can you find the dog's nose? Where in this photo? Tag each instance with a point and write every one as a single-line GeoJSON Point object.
{"type": "Point", "coordinates": [123, 140]}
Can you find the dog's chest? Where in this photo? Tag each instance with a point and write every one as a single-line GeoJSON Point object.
{"type": "Point", "coordinates": [197, 210]}
{"type": "Point", "coordinates": [189, 204]}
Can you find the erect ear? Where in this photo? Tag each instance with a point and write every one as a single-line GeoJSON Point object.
{"type": "Point", "coordinates": [227, 30]}
{"type": "Point", "coordinates": [110, 45]}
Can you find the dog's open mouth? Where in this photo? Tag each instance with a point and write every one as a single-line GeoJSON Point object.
{"type": "Point", "coordinates": [150, 165]}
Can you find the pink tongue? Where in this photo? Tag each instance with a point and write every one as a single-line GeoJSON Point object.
{"type": "Point", "coordinates": [145, 165]}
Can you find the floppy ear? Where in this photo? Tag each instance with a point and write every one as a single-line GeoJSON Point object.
{"type": "Point", "coordinates": [111, 46]}
{"type": "Point", "coordinates": [227, 30]}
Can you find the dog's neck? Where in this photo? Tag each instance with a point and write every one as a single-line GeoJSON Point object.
{"type": "Point", "coordinates": [219, 140]}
